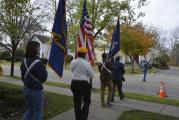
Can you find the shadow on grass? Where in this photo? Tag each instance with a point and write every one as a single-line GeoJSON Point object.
{"type": "Point", "coordinates": [143, 115]}
{"type": "Point", "coordinates": [12, 103]}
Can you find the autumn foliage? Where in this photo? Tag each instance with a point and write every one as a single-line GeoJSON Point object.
{"type": "Point", "coordinates": [137, 39]}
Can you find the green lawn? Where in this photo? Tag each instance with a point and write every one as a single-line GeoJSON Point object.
{"type": "Point", "coordinates": [13, 77]}
{"type": "Point", "coordinates": [138, 70]}
{"type": "Point", "coordinates": [154, 99]}
{"type": "Point", "coordinates": [63, 85]}
{"type": "Point", "coordinates": [142, 115]}
{"type": "Point", "coordinates": [12, 103]}
{"type": "Point", "coordinates": [56, 84]}
{"type": "Point", "coordinates": [9, 62]}
{"type": "Point", "coordinates": [57, 104]}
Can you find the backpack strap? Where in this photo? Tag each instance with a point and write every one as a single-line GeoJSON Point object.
{"type": "Point", "coordinates": [104, 66]}
{"type": "Point", "coordinates": [29, 68]}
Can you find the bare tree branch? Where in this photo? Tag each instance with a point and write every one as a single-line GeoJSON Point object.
{"type": "Point", "coordinates": [6, 47]}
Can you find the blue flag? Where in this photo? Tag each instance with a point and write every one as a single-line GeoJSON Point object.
{"type": "Point", "coordinates": [115, 44]}
{"type": "Point", "coordinates": [59, 34]}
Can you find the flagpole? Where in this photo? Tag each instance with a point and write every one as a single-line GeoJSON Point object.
{"type": "Point", "coordinates": [111, 58]}
{"type": "Point", "coordinates": [115, 38]}
{"type": "Point", "coordinates": [85, 41]}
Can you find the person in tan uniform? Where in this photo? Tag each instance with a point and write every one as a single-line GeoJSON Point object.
{"type": "Point", "coordinates": [105, 68]}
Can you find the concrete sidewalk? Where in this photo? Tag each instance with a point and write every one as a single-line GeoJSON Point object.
{"type": "Point", "coordinates": [100, 113]}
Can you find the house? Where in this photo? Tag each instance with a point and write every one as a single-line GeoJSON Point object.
{"type": "Point", "coordinates": [153, 52]}
{"type": "Point", "coordinates": [44, 44]}
{"type": "Point", "coordinates": [1, 48]}
{"type": "Point", "coordinates": [151, 55]}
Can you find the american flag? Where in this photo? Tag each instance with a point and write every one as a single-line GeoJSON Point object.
{"type": "Point", "coordinates": [85, 38]}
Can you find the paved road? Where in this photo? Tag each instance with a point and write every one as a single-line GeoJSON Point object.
{"type": "Point", "coordinates": [170, 77]}
{"type": "Point", "coordinates": [133, 83]}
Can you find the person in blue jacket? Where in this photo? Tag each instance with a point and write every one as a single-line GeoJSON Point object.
{"type": "Point", "coordinates": [118, 78]}
{"type": "Point", "coordinates": [34, 74]}
{"type": "Point", "coordinates": [145, 64]}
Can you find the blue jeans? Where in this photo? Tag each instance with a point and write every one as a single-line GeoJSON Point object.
{"type": "Point", "coordinates": [34, 102]}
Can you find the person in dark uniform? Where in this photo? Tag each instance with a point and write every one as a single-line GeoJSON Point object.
{"type": "Point", "coordinates": [82, 72]}
{"type": "Point", "coordinates": [34, 74]}
{"type": "Point", "coordinates": [118, 78]}
{"type": "Point", "coordinates": [105, 68]}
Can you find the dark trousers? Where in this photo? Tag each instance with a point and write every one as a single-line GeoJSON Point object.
{"type": "Point", "coordinates": [145, 74]}
{"type": "Point", "coordinates": [81, 92]}
{"type": "Point", "coordinates": [117, 83]}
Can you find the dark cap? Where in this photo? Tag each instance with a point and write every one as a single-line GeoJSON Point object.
{"type": "Point", "coordinates": [117, 58]}
{"type": "Point", "coordinates": [104, 55]}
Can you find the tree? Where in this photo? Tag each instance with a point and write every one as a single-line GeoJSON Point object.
{"type": "Point", "coordinates": [174, 45]}
{"type": "Point", "coordinates": [102, 13]}
{"type": "Point", "coordinates": [18, 19]}
{"type": "Point", "coordinates": [136, 40]}
{"type": "Point", "coordinates": [162, 60]}
{"type": "Point", "coordinates": [174, 53]}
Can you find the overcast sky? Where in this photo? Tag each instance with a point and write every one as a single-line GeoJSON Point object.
{"type": "Point", "coordinates": [163, 14]}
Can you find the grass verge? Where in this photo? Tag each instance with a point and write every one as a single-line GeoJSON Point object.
{"type": "Point", "coordinates": [154, 99]}
{"type": "Point", "coordinates": [143, 115]}
{"type": "Point", "coordinates": [57, 104]}
{"type": "Point", "coordinates": [55, 84]}
{"type": "Point", "coordinates": [13, 102]}
{"type": "Point", "coordinates": [138, 70]}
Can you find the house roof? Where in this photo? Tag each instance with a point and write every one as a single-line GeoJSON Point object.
{"type": "Point", "coordinates": [2, 49]}
{"type": "Point", "coordinates": [42, 38]}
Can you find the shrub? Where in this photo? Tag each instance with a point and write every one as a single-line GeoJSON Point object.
{"type": "Point", "coordinates": [12, 103]}
{"type": "Point", "coordinates": [4, 55]}
{"type": "Point", "coordinates": [149, 66]}
{"type": "Point", "coordinates": [1, 71]}
{"type": "Point", "coordinates": [15, 100]}
{"type": "Point", "coordinates": [19, 55]}
{"type": "Point", "coordinates": [161, 61]}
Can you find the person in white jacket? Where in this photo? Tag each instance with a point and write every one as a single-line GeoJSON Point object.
{"type": "Point", "coordinates": [82, 72]}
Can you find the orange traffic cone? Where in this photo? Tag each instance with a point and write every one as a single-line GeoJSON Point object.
{"type": "Point", "coordinates": [162, 92]}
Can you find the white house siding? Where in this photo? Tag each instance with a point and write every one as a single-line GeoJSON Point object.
{"type": "Point", "coordinates": [44, 50]}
